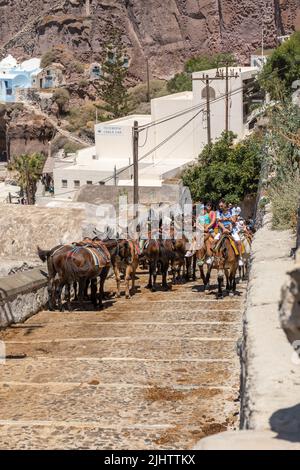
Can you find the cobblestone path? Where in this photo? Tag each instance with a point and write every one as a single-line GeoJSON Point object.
{"type": "Point", "coordinates": [158, 371]}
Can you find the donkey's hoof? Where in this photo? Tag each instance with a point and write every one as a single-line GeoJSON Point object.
{"type": "Point", "coordinates": [231, 294]}
{"type": "Point", "coordinates": [128, 296]}
{"type": "Point", "coordinates": [153, 289]}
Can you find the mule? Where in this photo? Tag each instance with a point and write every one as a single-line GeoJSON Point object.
{"type": "Point", "coordinates": [225, 261]}
{"type": "Point", "coordinates": [159, 254]}
{"type": "Point", "coordinates": [124, 259]}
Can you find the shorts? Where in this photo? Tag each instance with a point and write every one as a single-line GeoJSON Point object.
{"type": "Point", "coordinates": [235, 236]}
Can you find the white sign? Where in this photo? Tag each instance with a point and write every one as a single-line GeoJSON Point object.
{"type": "Point", "coordinates": [110, 130]}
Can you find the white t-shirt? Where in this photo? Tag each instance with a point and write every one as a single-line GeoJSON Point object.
{"type": "Point", "coordinates": [236, 211]}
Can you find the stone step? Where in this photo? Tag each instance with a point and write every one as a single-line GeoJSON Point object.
{"type": "Point", "coordinates": [116, 406]}
{"type": "Point", "coordinates": [155, 348]}
{"type": "Point", "coordinates": [114, 329]}
{"type": "Point", "coordinates": [63, 436]}
{"type": "Point", "coordinates": [142, 315]}
{"type": "Point", "coordinates": [43, 370]}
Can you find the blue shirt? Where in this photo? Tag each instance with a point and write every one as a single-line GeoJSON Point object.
{"type": "Point", "coordinates": [224, 215]}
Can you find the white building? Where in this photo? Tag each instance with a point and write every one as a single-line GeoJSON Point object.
{"type": "Point", "coordinates": [170, 138]}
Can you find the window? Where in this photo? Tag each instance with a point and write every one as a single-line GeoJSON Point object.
{"type": "Point", "coordinates": [95, 157]}
{"type": "Point", "coordinates": [64, 183]}
{"type": "Point", "coordinates": [76, 184]}
{"type": "Point", "coordinates": [89, 182]}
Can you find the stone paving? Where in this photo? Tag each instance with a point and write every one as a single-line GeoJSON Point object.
{"type": "Point", "coordinates": [158, 371]}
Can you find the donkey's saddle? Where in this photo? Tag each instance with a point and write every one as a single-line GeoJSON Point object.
{"type": "Point", "coordinates": [232, 242]}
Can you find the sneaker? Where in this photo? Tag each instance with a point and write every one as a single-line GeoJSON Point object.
{"type": "Point", "coordinates": [189, 254]}
{"type": "Point", "coordinates": [209, 260]}
{"type": "Point", "coordinates": [200, 262]}
{"type": "Point", "coordinates": [241, 262]}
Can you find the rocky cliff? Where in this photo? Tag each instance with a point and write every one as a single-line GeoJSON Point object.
{"type": "Point", "coordinates": [167, 32]}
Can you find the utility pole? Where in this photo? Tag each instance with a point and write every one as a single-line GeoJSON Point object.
{"type": "Point", "coordinates": [219, 76]}
{"type": "Point", "coordinates": [148, 81]}
{"type": "Point", "coordinates": [115, 175]}
{"type": "Point", "coordinates": [208, 110]}
{"type": "Point", "coordinates": [226, 98]}
{"type": "Point", "coordinates": [136, 166]}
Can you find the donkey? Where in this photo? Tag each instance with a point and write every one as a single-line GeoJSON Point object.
{"type": "Point", "coordinates": [158, 253]}
{"type": "Point", "coordinates": [124, 259]}
{"type": "Point", "coordinates": [225, 261]}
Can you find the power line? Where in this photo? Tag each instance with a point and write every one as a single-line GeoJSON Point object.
{"type": "Point", "coordinates": [174, 116]}
{"type": "Point", "coordinates": [157, 146]}
{"type": "Point", "coordinates": [192, 108]}
{"type": "Point", "coordinates": [170, 136]}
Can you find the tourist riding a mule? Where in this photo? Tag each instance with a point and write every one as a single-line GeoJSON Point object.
{"type": "Point", "coordinates": [223, 254]}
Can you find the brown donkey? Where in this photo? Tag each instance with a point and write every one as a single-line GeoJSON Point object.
{"type": "Point", "coordinates": [225, 261]}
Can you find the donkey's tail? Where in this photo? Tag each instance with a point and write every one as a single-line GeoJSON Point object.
{"type": "Point", "coordinates": [43, 254]}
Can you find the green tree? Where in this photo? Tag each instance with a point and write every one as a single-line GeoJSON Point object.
{"type": "Point", "coordinates": [225, 170]}
{"type": "Point", "coordinates": [112, 87]}
{"type": "Point", "coordinates": [29, 169]}
{"type": "Point", "coordinates": [180, 82]}
{"type": "Point", "coordinates": [183, 81]}
{"type": "Point", "coordinates": [61, 97]}
{"type": "Point", "coordinates": [205, 62]}
{"type": "Point", "coordinates": [282, 68]}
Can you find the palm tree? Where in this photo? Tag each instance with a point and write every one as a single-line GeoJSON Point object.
{"type": "Point", "coordinates": [29, 169]}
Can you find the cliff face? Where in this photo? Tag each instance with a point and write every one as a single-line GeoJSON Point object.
{"type": "Point", "coordinates": [167, 32]}
{"type": "Point", "coordinates": [23, 131]}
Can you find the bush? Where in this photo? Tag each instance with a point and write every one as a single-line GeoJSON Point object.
{"type": "Point", "coordinates": [225, 170]}
{"type": "Point", "coordinates": [180, 82]}
{"type": "Point", "coordinates": [284, 196]}
{"type": "Point", "coordinates": [71, 147]}
{"type": "Point", "coordinates": [80, 116]}
{"type": "Point", "coordinates": [61, 97]}
{"type": "Point", "coordinates": [282, 68]}
{"type": "Point", "coordinates": [75, 67]}
{"type": "Point", "coordinates": [204, 62]}
{"type": "Point", "coordinates": [48, 58]}
{"type": "Point", "coordinates": [138, 94]}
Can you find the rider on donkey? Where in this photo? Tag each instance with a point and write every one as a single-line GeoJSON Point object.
{"type": "Point", "coordinates": [227, 225]}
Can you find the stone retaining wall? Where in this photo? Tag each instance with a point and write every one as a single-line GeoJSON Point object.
{"type": "Point", "coordinates": [22, 295]}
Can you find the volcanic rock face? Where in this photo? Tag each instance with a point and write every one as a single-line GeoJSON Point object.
{"type": "Point", "coordinates": [23, 131]}
{"type": "Point", "coordinates": [167, 32]}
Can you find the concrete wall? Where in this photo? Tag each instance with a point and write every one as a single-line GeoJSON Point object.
{"type": "Point", "coordinates": [22, 228]}
{"type": "Point", "coordinates": [22, 295]}
{"type": "Point", "coordinates": [167, 194]}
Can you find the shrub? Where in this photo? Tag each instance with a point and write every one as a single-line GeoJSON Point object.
{"type": "Point", "coordinates": [72, 147]}
{"type": "Point", "coordinates": [48, 58]}
{"type": "Point", "coordinates": [284, 196]}
{"type": "Point", "coordinates": [225, 170]}
{"type": "Point", "coordinates": [80, 116]}
{"type": "Point", "coordinates": [138, 94]}
{"type": "Point", "coordinates": [180, 82]}
{"type": "Point", "coordinates": [61, 97]}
